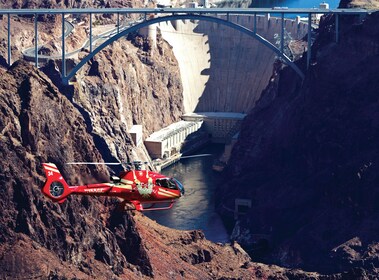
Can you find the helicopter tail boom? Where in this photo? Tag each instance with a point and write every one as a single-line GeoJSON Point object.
{"type": "Point", "coordinates": [55, 186]}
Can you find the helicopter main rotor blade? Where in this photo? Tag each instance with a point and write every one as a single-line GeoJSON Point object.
{"type": "Point", "coordinates": [202, 155]}
{"type": "Point", "coordinates": [96, 163]}
{"type": "Point", "coordinates": [119, 163]}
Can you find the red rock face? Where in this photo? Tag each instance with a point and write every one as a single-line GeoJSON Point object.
{"type": "Point", "coordinates": [307, 154]}
{"type": "Point", "coordinates": [136, 86]}
{"type": "Point", "coordinates": [38, 125]}
{"type": "Point", "coordinates": [124, 85]}
{"type": "Point", "coordinates": [85, 236]}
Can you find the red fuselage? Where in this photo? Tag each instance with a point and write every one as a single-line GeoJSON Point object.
{"type": "Point", "coordinates": [134, 186]}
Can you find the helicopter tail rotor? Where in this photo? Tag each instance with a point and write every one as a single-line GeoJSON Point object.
{"type": "Point", "coordinates": [55, 186]}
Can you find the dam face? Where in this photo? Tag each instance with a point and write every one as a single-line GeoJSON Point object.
{"type": "Point", "coordinates": [222, 69]}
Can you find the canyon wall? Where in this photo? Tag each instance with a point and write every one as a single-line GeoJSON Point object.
{"type": "Point", "coordinates": [86, 237]}
{"type": "Point", "coordinates": [307, 157]}
{"type": "Point", "coordinates": [42, 120]}
{"type": "Point", "coordinates": [126, 85]}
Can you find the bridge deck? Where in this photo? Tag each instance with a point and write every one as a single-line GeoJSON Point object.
{"type": "Point", "coordinates": [239, 11]}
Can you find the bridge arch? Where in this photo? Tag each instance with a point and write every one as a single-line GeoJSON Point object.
{"type": "Point", "coordinates": [184, 17]}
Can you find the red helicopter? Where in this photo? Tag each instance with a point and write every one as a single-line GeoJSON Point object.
{"type": "Point", "coordinates": [146, 190]}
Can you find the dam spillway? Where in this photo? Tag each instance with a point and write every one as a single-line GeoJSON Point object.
{"type": "Point", "coordinates": [223, 70]}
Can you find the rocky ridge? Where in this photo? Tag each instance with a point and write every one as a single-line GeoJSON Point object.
{"type": "Point", "coordinates": [33, 133]}
{"type": "Point", "coordinates": [42, 120]}
{"type": "Point", "coordinates": [307, 159]}
{"type": "Point", "coordinates": [123, 86]}
{"type": "Point", "coordinates": [85, 237]}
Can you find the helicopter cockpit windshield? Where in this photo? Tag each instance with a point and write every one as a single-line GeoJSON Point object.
{"type": "Point", "coordinates": [178, 185]}
{"type": "Point", "coordinates": [170, 183]}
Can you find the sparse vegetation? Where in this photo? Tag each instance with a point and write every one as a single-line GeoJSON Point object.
{"type": "Point", "coordinates": [366, 4]}
{"type": "Point", "coordinates": [234, 4]}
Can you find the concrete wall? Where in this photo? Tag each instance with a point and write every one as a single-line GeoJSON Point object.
{"type": "Point", "coordinates": [222, 69]}
{"type": "Point", "coordinates": [191, 49]}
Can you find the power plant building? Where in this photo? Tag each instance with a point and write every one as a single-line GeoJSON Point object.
{"type": "Point", "coordinates": [180, 137]}
{"type": "Point", "coordinates": [168, 141]}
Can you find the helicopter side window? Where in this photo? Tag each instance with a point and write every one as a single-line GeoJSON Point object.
{"type": "Point", "coordinates": [166, 183]}
{"type": "Point", "coordinates": [162, 183]}
{"type": "Point", "coordinates": [172, 184]}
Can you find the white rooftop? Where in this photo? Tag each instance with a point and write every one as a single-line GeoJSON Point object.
{"type": "Point", "coordinates": [136, 128]}
{"type": "Point", "coordinates": [168, 131]}
{"type": "Point", "coordinates": [217, 115]}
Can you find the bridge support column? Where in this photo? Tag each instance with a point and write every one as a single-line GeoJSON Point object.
{"type": "Point", "coordinates": [9, 40]}
{"type": "Point", "coordinates": [118, 23]}
{"type": "Point", "coordinates": [309, 40]}
{"type": "Point", "coordinates": [150, 32]}
{"type": "Point", "coordinates": [268, 19]}
{"type": "Point", "coordinates": [90, 32]}
{"type": "Point", "coordinates": [282, 35]}
{"type": "Point", "coordinates": [255, 22]}
{"type": "Point", "coordinates": [36, 39]}
{"type": "Point", "coordinates": [63, 50]}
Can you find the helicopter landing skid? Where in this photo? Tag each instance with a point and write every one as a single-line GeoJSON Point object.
{"type": "Point", "coordinates": [146, 205]}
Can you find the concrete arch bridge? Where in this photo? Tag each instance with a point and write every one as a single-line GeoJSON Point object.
{"type": "Point", "coordinates": [192, 17]}
{"type": "Point", "coordinates": [241, 21]}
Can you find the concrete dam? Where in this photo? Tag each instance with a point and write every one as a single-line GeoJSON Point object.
{"type": "Point", "coordinates": [222, 69]}
{"type": "Point", "coordinates": [223, 72]}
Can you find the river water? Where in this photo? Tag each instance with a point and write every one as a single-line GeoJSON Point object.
{"type": "Point", "coordinates": [196, 209]}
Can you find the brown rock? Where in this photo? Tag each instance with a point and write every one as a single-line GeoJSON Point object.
{"type": "Point", "coordinates": [306, 156]}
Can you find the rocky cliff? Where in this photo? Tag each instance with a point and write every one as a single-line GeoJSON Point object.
{"type": "Point", "coordinates": [85, 237]}
{"type": "Point", "coordinates": [39, 124]}
{"type": "Point", "coordinates": [126, 85]}
{"type": "Point", "coordinates": [42, 120]}
{"type": "Point", "coordinates": [49, 26]}
{"type": "Point", "coordinates": [367, 4]}
{"type": "Point", "coordinates": [130, 82]}
{"type": "Point", "coordinates": [308, 158]}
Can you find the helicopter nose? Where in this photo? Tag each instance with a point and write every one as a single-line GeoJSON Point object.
{"type": "Point", "coordinates": [180, 186]}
